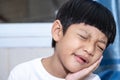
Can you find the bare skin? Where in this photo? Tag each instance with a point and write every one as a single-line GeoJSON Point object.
{"type": "Point", "coordinates": [77, 53]}
{"type": "Point", "coordinates": [80, 75]}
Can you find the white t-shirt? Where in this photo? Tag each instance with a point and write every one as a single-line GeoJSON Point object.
{"type": "Point", "coordinates": [34, 70]}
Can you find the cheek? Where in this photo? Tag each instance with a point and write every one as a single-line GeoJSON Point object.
{"type": "Point", "coordinates": [72, 42]}
{"type": "Point", "coordinates": [96, 57]}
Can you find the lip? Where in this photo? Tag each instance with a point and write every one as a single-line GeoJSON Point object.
{"type": "Point", "coordinates": [81, 59]}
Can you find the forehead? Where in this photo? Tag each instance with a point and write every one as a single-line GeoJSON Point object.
{"type": "Point", "coordinates": [88, 30]}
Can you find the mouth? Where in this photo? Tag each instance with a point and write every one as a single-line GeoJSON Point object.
{"type": "Point", "coordinates": [81, 59]}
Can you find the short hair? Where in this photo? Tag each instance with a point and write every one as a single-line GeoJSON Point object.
{"type": "Point", "coordinates": [88, 12]}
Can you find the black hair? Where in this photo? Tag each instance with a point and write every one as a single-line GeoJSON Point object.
{"type": "Point", "coordinates": [88, 12]}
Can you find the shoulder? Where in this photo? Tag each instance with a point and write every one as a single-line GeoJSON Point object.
{"type": "Point", "coordinates": [23, 70]}
{"type": "Point", "coordinates": [26, 65]}
{"type": "Point", "coordinates": [93, 77]}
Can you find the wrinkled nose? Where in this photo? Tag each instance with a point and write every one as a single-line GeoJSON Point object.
{"type": "Point", "coordinates": [89, 48]}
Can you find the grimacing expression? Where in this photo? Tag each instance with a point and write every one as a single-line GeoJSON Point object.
{"type": "Point", "coordinates": [81, 46]}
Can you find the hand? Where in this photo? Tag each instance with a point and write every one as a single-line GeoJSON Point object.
{"type": "Point", "coordinates": [80, 75]}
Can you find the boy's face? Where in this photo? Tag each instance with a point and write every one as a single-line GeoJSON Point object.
{"type": "Point", "coordinates": [81, 46]}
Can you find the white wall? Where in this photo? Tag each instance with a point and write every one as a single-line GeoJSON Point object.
{"type": "Point", "coordinates": [23, 42]}
{"type": "Point", "coordinates": [25, 35]}
{"type": "Point", "coordinates": [10, 57]}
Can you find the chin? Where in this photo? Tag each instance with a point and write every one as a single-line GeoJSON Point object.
{"type": "Point", "coordinates": [75, 69]}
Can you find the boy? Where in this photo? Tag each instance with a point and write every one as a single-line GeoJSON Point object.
{"type": "Point", "coordinates": [81, 32]}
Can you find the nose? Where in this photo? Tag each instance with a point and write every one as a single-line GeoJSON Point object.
{"type": "Point", "coordinates": [89, 48]}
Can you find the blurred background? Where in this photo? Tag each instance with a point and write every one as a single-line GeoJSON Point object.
{"type": "Point", "coordinates": [25, 34]}
{"type": "Point", "coordinates": [29, 10]}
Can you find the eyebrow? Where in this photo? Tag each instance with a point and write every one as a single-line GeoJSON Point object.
{"type": "Point", "coordinates": [83, 31]}
{"type": "Point", "coordinates": [102, 41]}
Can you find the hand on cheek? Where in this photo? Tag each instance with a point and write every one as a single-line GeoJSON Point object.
{"type": "Point", "coordinates": [80, 75]}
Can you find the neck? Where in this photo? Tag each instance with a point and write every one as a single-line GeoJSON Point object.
{"type": "Point", "coordinates": [54, 66]}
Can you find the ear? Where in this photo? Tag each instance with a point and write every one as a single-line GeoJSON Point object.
{"type": "Point", "coordinates": [57, 30]}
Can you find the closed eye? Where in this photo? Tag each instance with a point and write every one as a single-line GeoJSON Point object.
{"type": "Point", "coordinates": [83, 37]}
{"type": "Point", "coordinates": [100, 48]}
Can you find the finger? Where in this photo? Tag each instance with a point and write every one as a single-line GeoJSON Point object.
{"type": "Point", "coordinates": [98, 63]}
{"type": "Point", "coordinates": [95, 65]}
{"type": "Point", "coordinates": [84, 72]}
